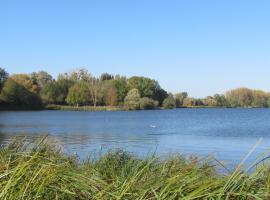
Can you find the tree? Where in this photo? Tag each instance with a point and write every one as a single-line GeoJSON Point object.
{"type": "Point", "coordinates": [221, 100]}
{"type": "Point", "coordinates": [106, 77]}
{"type": "Point", "coordinates": [95, 90]}
{"type": "Point", "coordinates": [79, 94]}
{"type": "Point", "coordinates": [109, 93]}
{"type": "Point", "coordinates": [3, 77]}
{"type": "Point", "coordinates": [147, 103]}
{"type": "Point", "coordinates": [56, 92]}
{"type": "Point", "coordinates": [209, 101]}
{"type": "Point", "coordinates": [41, 78]}
{"type": "Point", "coordinates": [189, 102]}
{"type": "Point", "coordinates": [26, 81]}
{"type": "Point", "coordinates": [260, 99]}
{"type": "Point", "coordinates": [16, 94]}
{"type": "Point", "coordinates": [169, 102]}
{"type": "Point", "coordinates": [240, 97]}
{"type": "Point", "coordinates": [76, 75]}
{"type": "Point", "coordinates": [147, 88]}
{"type": "Point", "coordinates": [132, 100]}
{"type": "Point", "coordinates": [179, 98]}
{"type": "Point", "coordinates": [120, 85]}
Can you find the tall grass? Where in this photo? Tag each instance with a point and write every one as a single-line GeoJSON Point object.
{"type": "Point", "coordinates": [40, 170]}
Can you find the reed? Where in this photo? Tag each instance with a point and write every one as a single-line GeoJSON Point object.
{"type": "Point", "coordinates": [40, 170]}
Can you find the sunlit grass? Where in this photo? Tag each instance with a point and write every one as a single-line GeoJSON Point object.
{"type": "Point", "coordinates": [40, 170]}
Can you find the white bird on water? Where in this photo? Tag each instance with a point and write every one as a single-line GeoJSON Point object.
{"type": "Point", "coordinates": [153, 126]}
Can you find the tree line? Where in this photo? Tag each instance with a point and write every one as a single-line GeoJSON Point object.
{"type": "Point", "coordinates": [80, 88]}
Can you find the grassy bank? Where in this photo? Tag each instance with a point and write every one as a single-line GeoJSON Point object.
{"type": "Point", "coordinates": [84, 108]}
{"type": "Point", "coordinates": [39, 170]}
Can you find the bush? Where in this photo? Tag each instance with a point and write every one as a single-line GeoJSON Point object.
{"type": "Point", "coordinates": [15, 94]}
{"type": "Point", "coordinates": [132, 100]}
{"type": "Point", "coordinates": [169, 103]}
{"type": "Point", "coordinates": [147, 103]}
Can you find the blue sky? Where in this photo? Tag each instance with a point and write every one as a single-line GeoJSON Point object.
{"type": "Point", "coordinates": [202, 47]}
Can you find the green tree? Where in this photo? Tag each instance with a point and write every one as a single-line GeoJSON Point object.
{"type": "Point", "coordinates": [121, 88]}
{"type": "Point", "coordinates": [95, 86]}
{"type": "Point", "coordinates": [260, 99]}
{"type": "Point", "coordinates": [148, 103]}
{"type": "Point", "coordinates": [132, 100]}
{"type": "Point", "coordinates": [41, 78]}
{"type": "Point", "coordinates": [56, 92]}
{"type": "Point", "coordinates": [109, 93]}
{"type": "Point", "coordinates": [169, 102]}
{"type": "Point", "coordinates": [26, 81]}
{"type": "Point", "coordinates": [3, 77]}
{"type": "Point", "coordinates": [16, 94]}
{"type": "Point", "coordinates": [240, 97]}
{"type": "Point", "coordinates": [147, 88]}
{"type": "Point", "coordinates": [79, 94]}
{"type": "Point", "coordinates": [221, 100]}
{"type": "Point", "coordinates": [106, 77]}
{"type": "Point", "coordinates": [179, 98]}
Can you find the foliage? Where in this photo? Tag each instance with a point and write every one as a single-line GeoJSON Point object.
{"type": "Point", "coordinates": [26, 81]}
{"type": "Point", "coordinates": [112, 90]}
{"type": "Point", "coordinates": [106, 77]}
{"type": "Point", "coordinates": [79, 94]}
{"type": "Point", "coordinates": [121, 88]}
{"type": "Point", "coordinates": [221, 100]}
{"type": "Point", "coordinates": [40, 170]}
{"type": "Point", "coordinates": [179, 98]}
{"type": "Point", "coordinates": [191, 102]}
{"type": "Point", "coordinates": [147, 103]}
{"type": "Point", "coordinates": [109, 93]}
{"type": "Point", "coordinates": [132, 100]}
{"type": "Point", "coordinates": [169, 102]}
{"type": "Point", "coordinates": [56, 92]}
{"type": "Point", "coordinates": [15, 94]}
{"type": "Point", "coordinates": [147, 88]}
{"type": "Point", "coordinates": [41, 78]}
{"type": "Point", "coordinates": [3, 77]}
{"type": "Point", "coordinates": [209, 101]}
{"type": "Point", "coordinates": [244, 97]}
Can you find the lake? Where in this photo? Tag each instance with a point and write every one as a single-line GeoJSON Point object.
{"type": "Point", "coordinates": [227, 134]}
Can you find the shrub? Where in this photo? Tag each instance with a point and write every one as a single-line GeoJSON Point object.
{"type": "Point", "coordinates": [132, 100]}
{"type": "Point", "coordinates": [148, 103]}
{"type": "Point", "coordinates": [169, 103]}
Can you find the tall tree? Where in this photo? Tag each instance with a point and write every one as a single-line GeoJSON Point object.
{"type": "Point", "coordinates": [41, 78]}
{"type": "Point", "coordinates": [121, 88]}
{"type": "Point", "coordinates": [132, 100]}
{"type": "Point", "coordinates": [106, 77]}
{"type": "Point", "coordinates": [26, 81]}
{"type": "Point", "coordinates": [147, 88]}
{"type": "Point", "coordinates": [16, 94]}
{"type": "Point", "coordinates": [3, 77]}
{"type": "Point", "coordinates": [109, 93]}
{"type": "Point", "coordinates": [95, 90]}
{"type": "Point", "coordinates": [79, 94]}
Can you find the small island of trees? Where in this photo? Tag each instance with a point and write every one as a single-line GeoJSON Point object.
{"type": "Point", "coordinates": [79, 89]}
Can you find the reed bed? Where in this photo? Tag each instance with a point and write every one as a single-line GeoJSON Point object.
{"type": "Point", "coordinates": [40, 170]}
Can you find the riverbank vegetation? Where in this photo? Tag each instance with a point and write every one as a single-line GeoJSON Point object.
{"type": "Point", "coordinates": [78, 90]}
{"type": "Point", "coordinates": [40, 170]}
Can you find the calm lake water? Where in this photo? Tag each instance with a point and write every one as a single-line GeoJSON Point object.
{"type": "Point", "coordinates": [227, 134]}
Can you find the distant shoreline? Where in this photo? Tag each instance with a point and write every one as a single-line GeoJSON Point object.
{"type": "Point", "coordinates": [103, 108]}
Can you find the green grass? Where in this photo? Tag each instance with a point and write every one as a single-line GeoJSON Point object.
{"type": "Point", "coordinates": [40, 170]}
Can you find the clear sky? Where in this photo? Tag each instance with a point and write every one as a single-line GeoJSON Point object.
{"type": "Point", "coordinates": [202, 47]}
